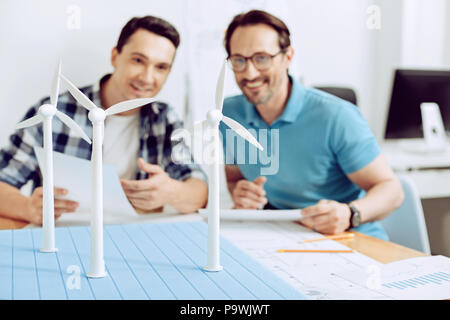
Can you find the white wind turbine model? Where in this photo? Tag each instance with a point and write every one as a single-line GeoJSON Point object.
{"type": "Point", "coordinates": [212, 122]}
{"type": "Point", "coordinates": [97, 116]}
{"type": "Point", "coordinates": [45, 115]}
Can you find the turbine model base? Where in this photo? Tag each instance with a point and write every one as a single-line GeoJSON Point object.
{"type": "Point", "coordinates": [96, 274]}
{"type": "Point", "coordinates": [213, 269]}
{"type": "Point", "coordinates": [48, 250]}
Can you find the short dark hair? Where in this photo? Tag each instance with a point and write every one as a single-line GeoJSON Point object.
{"type": "Point", "coordinates": [256, 17]}
{"type": "Point", "coordinates": [153, 24]}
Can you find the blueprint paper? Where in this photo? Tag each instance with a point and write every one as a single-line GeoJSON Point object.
{"type": "Point", "coordinates": [143, 261]}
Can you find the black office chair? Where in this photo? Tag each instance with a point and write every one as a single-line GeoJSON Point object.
{"type": "Point", "coordinates": [347, 94]}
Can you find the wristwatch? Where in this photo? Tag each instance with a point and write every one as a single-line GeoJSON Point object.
{"type": "Point", "coordinates": [355, 216]}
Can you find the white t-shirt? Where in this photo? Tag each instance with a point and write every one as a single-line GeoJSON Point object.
{"type": "Point", "coordinates": [121, 144]}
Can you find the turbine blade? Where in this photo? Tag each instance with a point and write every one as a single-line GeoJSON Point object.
{"type": "Point", "coordinates": [220, 87]}
{"type": "Point", "coordinates": [78, 95]}
{"type": "Point", "coordinates": [29, 122]}
{"type": "Point", "coordinates": [239, 129]}
{"type": "Point", "coordinates": [128, 105]}
{"type": "Point", "coordinates": [55, 85]}
{"type": "Point", "coordinates": [72, 125]}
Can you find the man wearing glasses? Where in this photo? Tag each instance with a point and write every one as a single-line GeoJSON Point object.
{"type": "Point", "coordinates": [329, 161]}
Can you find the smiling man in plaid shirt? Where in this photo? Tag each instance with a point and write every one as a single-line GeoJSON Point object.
{"type": "Point", "coordinates": [137, 142]}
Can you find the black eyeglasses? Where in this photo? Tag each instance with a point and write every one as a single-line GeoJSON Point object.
{"type": "Point", "coordinates": [261, 60]}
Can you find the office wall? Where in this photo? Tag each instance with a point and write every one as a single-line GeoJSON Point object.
{"type": "Point", "coordinates": [335, 46]}
{"type": "Point", "coordinates": [423, 31]}
{"type": "Point", "coordinates": [387, 43]}
{"type": "Point", "coordinates": [447, 37]}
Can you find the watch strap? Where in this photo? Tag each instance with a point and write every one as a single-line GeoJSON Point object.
{"type": "Point", "coordinates": [353, 211]}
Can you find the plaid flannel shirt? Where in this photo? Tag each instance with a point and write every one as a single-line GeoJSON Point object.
{"type": "Point", "coordinates": [18, 163]}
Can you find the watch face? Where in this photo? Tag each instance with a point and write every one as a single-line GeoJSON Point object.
{"type": "Point", "coordinates": [356, 219]}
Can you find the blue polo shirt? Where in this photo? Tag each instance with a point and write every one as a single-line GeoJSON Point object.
{"type": "Point", "coordinates": [308, 151]}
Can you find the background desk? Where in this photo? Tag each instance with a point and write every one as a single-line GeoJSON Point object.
{"type": "Point", "coordinates": [431, 174]}
{"type": "Point", "coordinates": [430, 171]}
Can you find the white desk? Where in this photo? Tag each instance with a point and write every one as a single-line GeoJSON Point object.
{"type": "Point", "coordinates": [431, 175]}
{"type": "Point", "coordinates": [429, 171]}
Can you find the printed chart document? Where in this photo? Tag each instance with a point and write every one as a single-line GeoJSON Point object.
{"type": "Point", "coordinates": [75, 175]}
{"type": "Point", "coordinates": [416, 278]}
{"type": "Point", "coordinates": [257, 215]}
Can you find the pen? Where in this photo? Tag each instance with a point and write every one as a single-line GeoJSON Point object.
{"type": "Point", "coordinates": [315, 251]}
{"type": "Point", "coordinates": [335, 237]}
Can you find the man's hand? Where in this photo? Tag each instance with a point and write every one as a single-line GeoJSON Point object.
{"type": "Point", "coordinates": [35, 205]}
{"type": "Point", "coordinates": [327, 216]}
{"type": "Point", "coordinates": [249, 195]}
{"type": "Point", "coordinates": [156, 191]}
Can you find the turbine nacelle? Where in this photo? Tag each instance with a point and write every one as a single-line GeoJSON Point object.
{"type": "Point", "coordinates": [47, 110]}
{"type": "Point", "coordinates": [97, 115]}
{"type": "Point", "coordinates": [214, 117]}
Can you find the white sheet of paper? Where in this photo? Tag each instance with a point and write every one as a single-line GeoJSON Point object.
{"type": "Point", "coordinates": [256, 215]}
{"type": "Point", "coordinates": [75, 175]}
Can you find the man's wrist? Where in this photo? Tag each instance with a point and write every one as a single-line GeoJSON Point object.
{"type": "Point", "coordinates": [175, 191]}
{"type": "Point", "coordinates": [27, 208]}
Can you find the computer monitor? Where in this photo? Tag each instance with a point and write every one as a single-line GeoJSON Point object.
{"type": "Point", "coordinates": [409, 90]}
